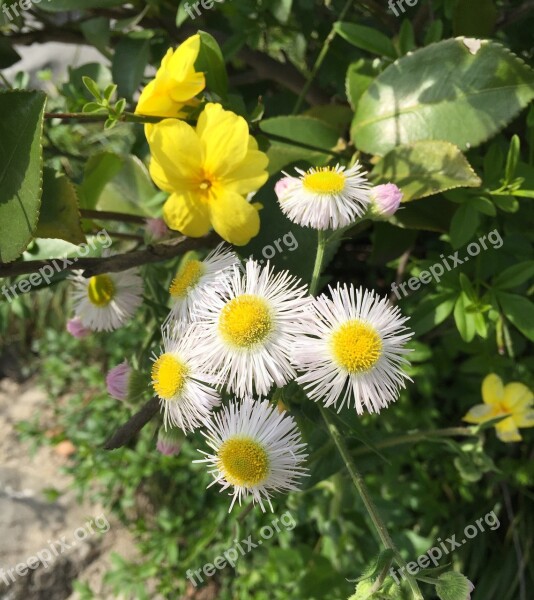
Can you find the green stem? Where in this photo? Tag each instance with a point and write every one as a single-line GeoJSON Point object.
{"type": "Point", "coordinates": [343, 450]}
{"type": "Point", "coordinates": [322, 55]}
{"type": "Point", "coordinates": [318, 266]}
{"type": "Point", "coordinates": [360, 486]}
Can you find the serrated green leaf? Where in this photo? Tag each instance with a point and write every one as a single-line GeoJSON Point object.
{"type": "Point", "coordinates": [21, 129]}
{"type": "Point", "coordinates": [453, 586]}
{"type": "Point", "coordinates": [433, 94]}
{"type": "Point", "coordinates": [425, 168]}
{"type": "Point", "coordinates": [59, 217]}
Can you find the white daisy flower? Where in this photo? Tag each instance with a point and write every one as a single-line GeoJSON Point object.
{"type": "Point", "coordinates": [257, 451]}
{"type": "Point", "coordinates": [353, 350]}
{"type": "Point", "coordinates": [324, 197]}
{"type": "Point", "coordinates": [248, 325]}
{"type": "Point", "coordinates": [106, 302]}
{"type": "Point", "coordinates": [180, 381]}
{"type": "Point", "coordinates": [194, 277]}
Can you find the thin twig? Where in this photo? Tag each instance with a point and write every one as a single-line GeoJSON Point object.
{"type": "Point", "coordinates": [115, 263]}
{"type": "Point", "coordinates": [517, 544]}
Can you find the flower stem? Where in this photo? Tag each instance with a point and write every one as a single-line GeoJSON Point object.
{"type": "Point", "coordinates": [360, 486]}
{"type": "Point", "coordinates": [343, 450]}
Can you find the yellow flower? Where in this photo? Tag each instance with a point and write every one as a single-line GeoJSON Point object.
{"type": "Point", "coordinates": [208, 171]}
{"type": "Point", "coordinates": [514, 399]}
{"type": "Point", "coordinates": [176, 83]}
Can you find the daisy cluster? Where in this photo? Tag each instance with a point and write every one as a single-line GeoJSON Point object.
{"type": "Point", "coordinates": [241, 330]}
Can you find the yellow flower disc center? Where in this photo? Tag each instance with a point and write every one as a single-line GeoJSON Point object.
{"type": "Point", "coordinates": [356, 346]}
{"type": "Point", "coordinates": [205, 185]}
{"type": "Point", "coordinates": [245, 321]}
{"type": "Point", "coordinates": [101, 290]}
{"type": "Point", "coordinates": [324, 181]}
{"type": "Point", "coordinates": [187, 278]}
{"type": "Point", "coordinates": [243, 461]}
{"type": "Point", "coordinates": [169, 376]}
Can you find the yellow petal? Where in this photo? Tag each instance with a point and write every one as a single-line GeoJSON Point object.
{"type": "Point", "coordinates": [176, 155]}
{"type": "Point", "coordinates": [492, 389]}
{"type": "Point", "coordinates": [479, 413]}
{"type": "Point", "coordinates": [233, 218]}
{"type": "Point", "coordinates": [182, 61]}
{"type": "Point", "coordinates": [507, 431]}
{"type": "Point", "coordinates": [250, 175]}
{"type": "Point", "coordinates": [153, 102]}
{"type": "Point", "coordinates": [187, 214]}
{"type": "Point", "coordinates": [524, 419]}
{"type": "Point", "coordinates": [517, 396]}
{"type": "Point", "coordinates": [224, 137]}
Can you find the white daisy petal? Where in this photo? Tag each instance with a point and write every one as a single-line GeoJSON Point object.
{"type": "Point", "coordinates": [256, 451]}
{"type": "Point", "coordinates": [106, 302]}
{"type": "Point", "coordinates": [326, 197]}
{"type": "Point", "coordinates": [180, 381]}
{"type": "Point", "coordinates": [353, 350]}
{"type": "Point", "coordinates": [194, 277]}
{"type": "Point", "coordinates": [247, 326]}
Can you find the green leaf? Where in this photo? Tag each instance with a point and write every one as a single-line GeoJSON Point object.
{"type": "Point", "coordinates": [21, 155]}
{"type": "Point", "coordinates": [519, 311]}
{"type": "Point", "coordinates": [366, 38]}
{"type": "Point", "coordinates": [299, 129]}
{"type": "Point", "coordinates": [117, 183]}
{"type": "Point", "coordinates": [129, 62]}
{"type": "Point", "coordinates": [453, 586]}
{"type": "Point", "coordinates": [475, 18]}
{"type": "Point", "coordinates": [211, 62]}
{"type": "Point", "coordinates": [515, 275]}
{"type": "Point", "coordinates": [92, 87]}
{"type": "Point", "coordinates": [406, 37]}
{"type": "Point", "coordinates": [483, 205]}
{"type": "Point", "coordinates": [448, 91]}
{"type": "Point", "coordinates": [425, 168]}
{"type": "Point", "coordinates": [464, 225]}
{"type": "Point", "coordinates": [360, 75]}
{"type": "Point", "coordinates": [512, 159]}
{"type": "Point", "coordinates": [99, 170]}
{"type": "Point", "coordinates": [8, 55]}
{"type": "Point", "coordinates": [69, 5]}
{"type": "Point", "coordinates": [434, 215]}
{"type": "Point", "coordinates": [465, 321]}
{"type": "Point", "coordinates": [59, 217]}
{"type": "Point", "coordinates": [97, 33]}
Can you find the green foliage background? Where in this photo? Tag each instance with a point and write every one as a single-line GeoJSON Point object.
{"type": "Point", "coordinates": [446, 120]}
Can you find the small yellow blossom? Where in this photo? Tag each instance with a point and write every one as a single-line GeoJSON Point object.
{"type": "Point", "coordinates": [176, 83]}
{"type": "Point", "coordinates": [514, 399]}
{"type": "Point", "coordinates": [208, 172]}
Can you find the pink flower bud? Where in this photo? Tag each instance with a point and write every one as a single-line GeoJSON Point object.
{"type": "Point", "coordinates": [76, 328]}
{"type": "Point", "coordinates": [156, 229]}
{"type": "Point", "coordinates": [117, 381]}
{"type": "Point", "coordinates": [170, 441]}
{"type": "Point", "coordinates": [385, 199]}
